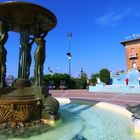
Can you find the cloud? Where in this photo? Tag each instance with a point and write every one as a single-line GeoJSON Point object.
{"type": "Point", "coordinates": [112, 19]}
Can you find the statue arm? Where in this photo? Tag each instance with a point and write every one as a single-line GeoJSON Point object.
{"type": "Point", "coordinates": [32, 41]}
{"type": "Point", "coordinates": [40, 35]}
{"type": "Point", "coordinates": [4, 36]}
{"type": "Point", "coordinates": [44, 34]}
{"type": "Point", "coordinates": [1, 37]}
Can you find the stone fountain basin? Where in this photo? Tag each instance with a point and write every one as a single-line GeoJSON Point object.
{"type": "Point", "coordinates": [86, 120]}
{"type": "Point", "coordinates": [20, 108]}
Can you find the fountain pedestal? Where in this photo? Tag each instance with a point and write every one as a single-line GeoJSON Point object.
{"type": "Point", "coordinates": [20, 108]}
{"type": "Point", "coordinates": [24, 103]}
{"type": "Point", "coordinates": [21, 83]}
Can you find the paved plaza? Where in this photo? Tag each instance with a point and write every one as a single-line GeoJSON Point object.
{"type": "Point", "coordinates": [114, 98]}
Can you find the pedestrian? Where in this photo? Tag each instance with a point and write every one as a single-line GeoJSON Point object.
{"type": "Point", "coordinates": [126, 81]}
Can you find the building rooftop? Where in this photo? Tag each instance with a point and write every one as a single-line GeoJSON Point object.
{"type": "Point", "coordinates": [131, 41]}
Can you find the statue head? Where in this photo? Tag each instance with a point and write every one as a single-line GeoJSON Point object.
{"type": "Point", "coordinates": [24, 38]}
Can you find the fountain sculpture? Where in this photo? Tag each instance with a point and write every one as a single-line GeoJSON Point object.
{"type": "Point", "coordinates": [25, 102]}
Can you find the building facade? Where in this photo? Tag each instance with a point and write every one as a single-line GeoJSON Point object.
{"type": "Point", "coordinates": [132, 48]}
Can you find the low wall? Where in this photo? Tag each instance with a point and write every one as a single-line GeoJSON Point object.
{"type": "Point", "coordinates": [116, 89]}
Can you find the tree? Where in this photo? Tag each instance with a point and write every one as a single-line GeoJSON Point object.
{"type": "Point", "coordinates": [47, 79]}
{"type": "Point", "coordinates": [81, 82]}
{"type": "Point", "coordinates": [93, 79]}
{"type": "Point", "coordinates": [57, 79]}
{"type": "Point", "coordinates": [104, 75]}
{"type": "Point", "coordinates": [95, 75]}
{"type": "Point", "coordinates": [73, 83]}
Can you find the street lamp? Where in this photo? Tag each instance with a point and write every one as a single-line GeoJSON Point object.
{"type": "Point", "coordinates": [69, 35]}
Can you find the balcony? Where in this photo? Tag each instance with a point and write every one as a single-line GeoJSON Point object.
{"type": "Point", "coordinates": [133, 56]}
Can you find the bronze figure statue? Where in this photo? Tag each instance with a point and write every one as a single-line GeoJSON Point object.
{"type": "Point", "coordinates": [3, 53]}
{"type": "Point", "coordinates": [39, 58]}
{"type": "Point", "coordinates": [25, 55]}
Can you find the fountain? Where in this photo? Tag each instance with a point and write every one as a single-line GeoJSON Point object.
{"type": "Point", "coordinates": [24, 102]}
{"type": "Point", "coordinates": [28, 110]}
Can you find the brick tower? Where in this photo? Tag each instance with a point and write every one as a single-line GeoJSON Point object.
{"type": "Point", "coordinates": [132, 53]}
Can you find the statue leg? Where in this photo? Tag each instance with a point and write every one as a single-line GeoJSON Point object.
{"type": "Point", "coordinates": [39, 75]}
{"type": "Point", "coordinates": [38, 79]}
{"type": "Point", "coordinates": [3, 75]}
{"type": "Point", "coordinates": [28, 65]}
{"type": "Point", "coordinates": [36, 75]}
{"type": "Point", "coordinates": [0, 76]}
{"type": "Point", "coordinates": [28, 72]}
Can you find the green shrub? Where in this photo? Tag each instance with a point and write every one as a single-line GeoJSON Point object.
{"type": "Point", "coordinates": [93, 80]}
{"type": "Point", "coordinates": [57, 78]}
{"type": "Point", "coordinates": [69, 82]}
{"type": "Point", "coordinates": [104, 75]}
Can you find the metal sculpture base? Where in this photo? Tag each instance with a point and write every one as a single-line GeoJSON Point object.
{"type": "Point", "coordinates": [50, 104]}
{"type": "Point", "coordinates": [27, 104]}
{"type": "Point", "coordinates": [21, 83]}
{"type": "Point", "coordinates": [20, 108]}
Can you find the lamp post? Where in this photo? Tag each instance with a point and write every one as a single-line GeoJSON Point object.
{"type": "Point", "coordinates": [69, 35]}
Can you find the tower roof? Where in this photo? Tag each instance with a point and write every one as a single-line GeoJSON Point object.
{"type": "Point", "coordinates": [131, 41]}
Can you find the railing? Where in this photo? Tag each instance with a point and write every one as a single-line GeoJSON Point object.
{"type": "Point", "coordinates": [133, 56]}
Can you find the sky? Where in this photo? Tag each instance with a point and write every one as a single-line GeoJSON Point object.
{"type": "Point", "coordinates": [97, 27]}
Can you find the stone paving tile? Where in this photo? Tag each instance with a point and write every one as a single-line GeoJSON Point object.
{"type": "Point", "coordinates": [115, 98]}
{"type": "Point", "coordinates": [132, 98]}
{"type": "Point", "coordinates": [123, 103]}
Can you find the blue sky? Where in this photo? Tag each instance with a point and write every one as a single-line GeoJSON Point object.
{"type": "Point", "coordinates": [97, 26]}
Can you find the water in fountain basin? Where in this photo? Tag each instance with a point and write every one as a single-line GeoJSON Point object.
{"type": "Point", "coordinates": [84, 122]}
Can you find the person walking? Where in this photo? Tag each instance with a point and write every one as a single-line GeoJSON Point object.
{"type": "Point", "coordinates": [126, 81]}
